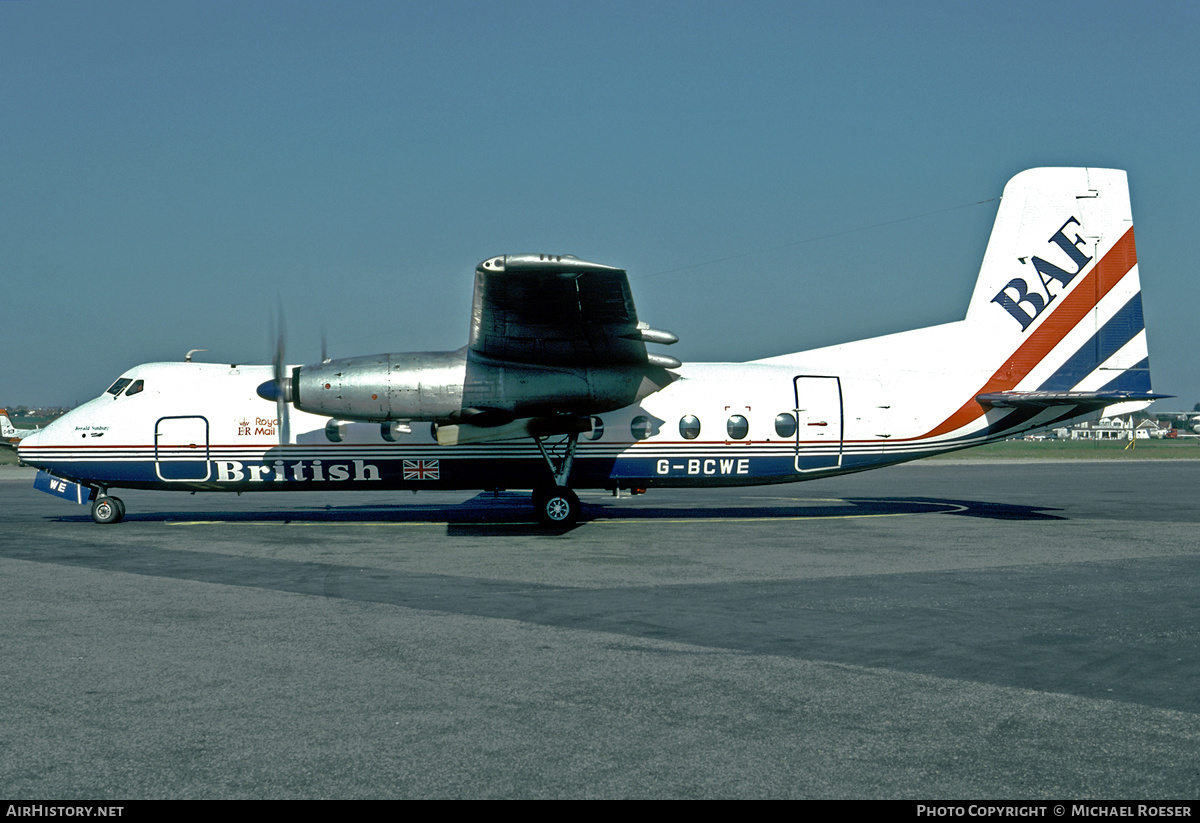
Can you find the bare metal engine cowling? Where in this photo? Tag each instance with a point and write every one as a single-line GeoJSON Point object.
{"type": "Point", "coordinates": [460, 386]}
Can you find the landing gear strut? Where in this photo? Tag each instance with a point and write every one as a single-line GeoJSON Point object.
{"type": "Point", "coordinates": [557, 505]}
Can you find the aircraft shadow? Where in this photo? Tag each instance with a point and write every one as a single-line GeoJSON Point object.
{"type": "Point", "coordinates": [509, 513]}
{"type": "Point", "coordinates": [850, 507]}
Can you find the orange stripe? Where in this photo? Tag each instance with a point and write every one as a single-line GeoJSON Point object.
{"type": "Point", "coordinates": [1121, 258]}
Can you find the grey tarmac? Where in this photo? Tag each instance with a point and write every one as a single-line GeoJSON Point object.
{"type": "Point", "coordinates": [936, 630]}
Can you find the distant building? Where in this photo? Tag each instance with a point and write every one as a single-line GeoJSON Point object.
{"type": "Point", "coordinates": [1106, 428]}
{"type": "Point", "coordinates": [1155, 429]}
{"type": "Point", "coordinates": [1116, 428]}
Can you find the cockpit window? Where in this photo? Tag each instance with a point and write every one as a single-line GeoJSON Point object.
{"type": "Point", "coordinates": [116, 388]}
{"type": "Point", "coordinates": [137, 386]}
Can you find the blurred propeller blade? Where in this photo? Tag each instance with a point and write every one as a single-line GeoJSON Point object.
{"type": "Point", "coordinates": [283, 394]}
{"type": "Point", "coordinates": [279, 387]}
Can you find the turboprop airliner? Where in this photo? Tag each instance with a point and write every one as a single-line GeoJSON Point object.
{"type": "Point", "coordinates": [556, 390]}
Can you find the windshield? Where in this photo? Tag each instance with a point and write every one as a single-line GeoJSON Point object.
{"type": "Point", "coordinates": [117, 387]}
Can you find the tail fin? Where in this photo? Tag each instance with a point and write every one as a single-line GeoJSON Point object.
{"type": "Point", "coordinates": [7, 429]}
{"type": "Point", "coordinates": [1059, 290]}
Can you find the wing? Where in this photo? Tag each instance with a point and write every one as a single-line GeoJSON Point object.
{"type": "Point", "coordinates": [558, 310]}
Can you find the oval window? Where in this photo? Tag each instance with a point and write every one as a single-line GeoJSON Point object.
{"type": "Point", "coordinates": [737, 427]}
{"type": "Point", "coordinates": [689, 427]}
{"type": "Point", "coordinates": [785, 424]}
{"type": "Point", "coordinates": [597, 429]}
{"type": "Point", "coordinates": [640, 427]}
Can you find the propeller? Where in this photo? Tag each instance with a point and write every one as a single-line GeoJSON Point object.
{"type": "Point", "coordinates": [283, 397]}
{"type": "Point", "coordinates": [279, 388]}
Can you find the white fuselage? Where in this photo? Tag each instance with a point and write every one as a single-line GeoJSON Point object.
{"type": "Point", "coordinates": [202, 426]}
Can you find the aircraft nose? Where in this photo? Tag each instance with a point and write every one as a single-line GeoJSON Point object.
{"type": "Point", "coordinates": [27, 443]}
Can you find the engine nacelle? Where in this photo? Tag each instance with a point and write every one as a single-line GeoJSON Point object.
{"type": "Point", "coordinates": [460, 387]}
{"type": "Point", "coordinates": [406, 386]}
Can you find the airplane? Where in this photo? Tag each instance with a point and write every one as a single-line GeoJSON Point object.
{"type": "Point", "coordinates": [10, 435]}
{"type": "Point", "coordinates": [555, 389]}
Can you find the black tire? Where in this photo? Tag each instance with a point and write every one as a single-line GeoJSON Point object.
{"type": "Point", "coordinates": [120, 506]}
{"type": "Point", "coordinates": [556, 506]}
{"type": "Point", "coordinates": [106, 510]}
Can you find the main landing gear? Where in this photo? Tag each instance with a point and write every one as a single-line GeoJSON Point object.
{"type": "Point", "coordinates": [557, 505]}
{"type": "Point", "coordinates": [106, 510]}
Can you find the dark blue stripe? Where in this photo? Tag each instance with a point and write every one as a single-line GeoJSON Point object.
{"type": "Point", "coordinates": [1011, 421]}
{"type": "Point", "coordinates": [1123, 327]}
{"type": "Point", "coordinates": [1135, 379]}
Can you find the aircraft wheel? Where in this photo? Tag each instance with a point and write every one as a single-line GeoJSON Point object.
{"type": "Point", "coordinates": [556, 506]}
{"type": "Point", "coordinates": [106, 510]}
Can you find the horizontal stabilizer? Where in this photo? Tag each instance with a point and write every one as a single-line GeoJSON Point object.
{"type": "Point", "coordinates": [1046, 399]}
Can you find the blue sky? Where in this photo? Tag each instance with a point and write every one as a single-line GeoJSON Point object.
{"type": "Point", "coordinates": [774, 176]}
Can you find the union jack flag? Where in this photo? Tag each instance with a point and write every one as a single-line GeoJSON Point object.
{"type": "Point", "coordinates": [421, 470]}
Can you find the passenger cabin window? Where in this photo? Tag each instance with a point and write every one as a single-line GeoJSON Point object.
{"type": "Point", "coordinates": [737, 427]}
{"type": "Point", "coordinates": [137, 386]}
{"type": "Point", "coordinates": [689, 427]}
{"type": "Point", "coordinates": [335, 431]}
{"type": "Point", "coordinates": [785, 424]}
{"type": "Point", "coordinates": [640, 427]}
{"type": "Point", "coordinates": [597, 429]}
{"type": "Point", "coordinates": [116, 388]}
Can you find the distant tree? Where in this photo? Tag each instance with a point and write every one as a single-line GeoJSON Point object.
{"type": "Point", "coordinates": [1196, 407]}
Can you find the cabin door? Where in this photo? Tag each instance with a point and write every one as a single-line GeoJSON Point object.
{"type": "Point", "coordinates": [181, 449]}
{"type": "Point", "coordinates": [819, 428]}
